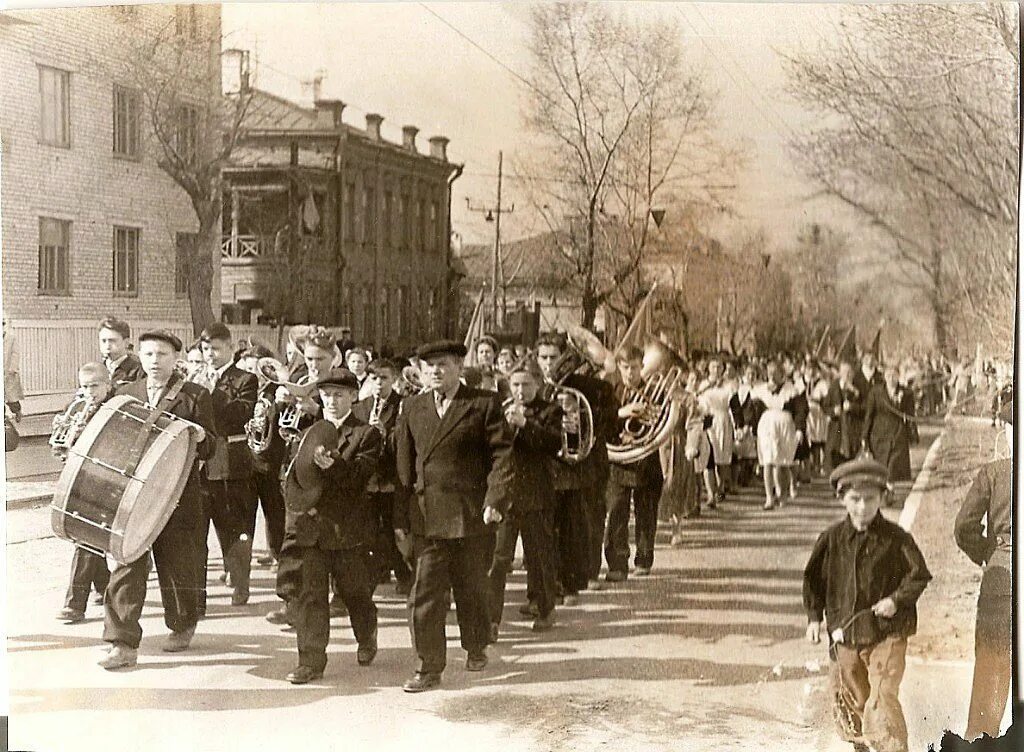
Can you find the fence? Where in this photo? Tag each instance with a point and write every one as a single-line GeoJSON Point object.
{"type": "Point", "coordinates": [50, 352]}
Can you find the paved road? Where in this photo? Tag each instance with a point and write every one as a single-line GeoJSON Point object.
{"type": "Point", "coordinates": [706, 653]}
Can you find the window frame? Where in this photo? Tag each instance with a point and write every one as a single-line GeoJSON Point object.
{"type": "Point", "coordinates": [184, 111]}
{"type": "Point", "coordinates": [65, 77]}
{"type": "Point", "coordinates": [128, 231]}
{"type": "Point", "coordinates": [131, 95]}
{"type": "Point", "coordinates": [59, 291]}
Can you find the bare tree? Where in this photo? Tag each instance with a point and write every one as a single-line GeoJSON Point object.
{"type": "Point", "coordinates": [919, 138]}
{"type": "Point", "coordinates": [171, 56]}
{"type": "Point", "coordinates": [622, 120]}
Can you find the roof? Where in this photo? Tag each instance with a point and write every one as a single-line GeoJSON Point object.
{"type": "Point", "coordinates": [532, 261]}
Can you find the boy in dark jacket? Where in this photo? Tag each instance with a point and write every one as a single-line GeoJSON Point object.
{"type": "Point", "coordinates": [536, 426]}
{"type": "Point", "coordinates": [864, 577]}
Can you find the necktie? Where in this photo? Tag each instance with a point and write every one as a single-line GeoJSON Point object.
{"type": "Point", "coordinates": [440, 402]}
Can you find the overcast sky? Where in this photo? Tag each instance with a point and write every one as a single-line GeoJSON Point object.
{"type": "Point", "coordinates": [402, 61]}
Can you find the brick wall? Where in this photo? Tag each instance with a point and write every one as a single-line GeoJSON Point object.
{"type": "Point", "coordinates": [85, 184]}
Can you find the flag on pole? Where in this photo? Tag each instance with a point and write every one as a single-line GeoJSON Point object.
{"type": "Point", "coordinates": [848, 348]}
{"type": "Point", "coordinates": [475, 330]}
{"type": "Point", "coordinates": [641, 328]}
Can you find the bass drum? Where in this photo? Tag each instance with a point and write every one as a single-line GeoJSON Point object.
{"type": "Point", "coordinates": [105, 505]}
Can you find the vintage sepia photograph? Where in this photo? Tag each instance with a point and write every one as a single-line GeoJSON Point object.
{"type": "Point", "coordinates": [534, 376]}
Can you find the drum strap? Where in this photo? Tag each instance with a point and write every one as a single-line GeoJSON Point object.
{"type": "Point", "coordinates": [139, 447]}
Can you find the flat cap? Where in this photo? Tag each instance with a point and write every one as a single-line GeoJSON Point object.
{"type": "Point", "coordinates": [339, 377]}
{"type": "Point", "coordinates": [441, 347]}
{"type": "Point", "coordinates": [860, 471]}
{"type": "Point", "coordinates": [162, 335]}
{"type": "Point", "coordinates": [216, 330]}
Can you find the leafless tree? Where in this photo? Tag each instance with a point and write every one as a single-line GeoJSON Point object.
{"type": "Point", "coordinates": [623, 121]}
{"type": "Point", "coordinates": [172, 59]}
{"type": "Point", "coordinates": [919, 138]}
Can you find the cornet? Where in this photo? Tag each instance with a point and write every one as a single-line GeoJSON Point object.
{"type": "Point", "coordinates": [259, 429]}
{"type": "Point", "coordinates": [576, 444]}
{"type": "Point", "coordinates": [68, 425]}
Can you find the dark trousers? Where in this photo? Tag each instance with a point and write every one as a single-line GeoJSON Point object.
{"type": "Point", "coordinates": [268, 489]}
{"type": "Point", "coordinates": [88, 571]}
{"type": "Point", "coordinates": [229, 505]}
{"type": "Point", "coordinates": [350, 569]}
{"type": "Point", "coordinates": [993, 642]}
{"type": "Point", "coordinates": [570, 532]}
{"type": "Point", "coordinates": [539, 552]}
{"type": "Point", "coordinates": [386, 556]}
{"type": "Point", "coordinates": [645, 509]}
{"type": "Point", "coordinates": [289, 569]}
{"type": "Point", "coordinates": [443, 566]}
{"type": "Point", "coordinates": [174, 553]}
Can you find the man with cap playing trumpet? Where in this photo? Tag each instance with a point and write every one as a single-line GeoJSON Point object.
{"type": "Point", "coordinates": [864, 577]}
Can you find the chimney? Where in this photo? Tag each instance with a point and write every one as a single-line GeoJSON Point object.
{"type": "Point", "coordinates": [373, 121]}
{"type": "Point", "coordinates": [409, 137]}
{"type": "Point", "coordinates": [439, 148]}
{"type": "Point", "coordinates": [328, 113]}
{"type": "Point", "coordinates": [318, 85]}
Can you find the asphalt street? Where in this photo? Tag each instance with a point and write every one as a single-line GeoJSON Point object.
{"type": "Point", "coordinates": [705, 653]}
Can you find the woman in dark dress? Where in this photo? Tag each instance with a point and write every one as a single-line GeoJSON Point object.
{"type": "Point", "coordinates": [889, 425]}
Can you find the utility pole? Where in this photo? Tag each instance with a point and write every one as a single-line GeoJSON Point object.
{"type": "Point", "coordinates": [493, 214]}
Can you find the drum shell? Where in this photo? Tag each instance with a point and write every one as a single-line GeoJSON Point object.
{"type": "Point", "coordinates": [101, 509]}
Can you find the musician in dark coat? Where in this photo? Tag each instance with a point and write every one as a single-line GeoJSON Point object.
{"type": "Point", "coordinates": [983, 531]}
{"type": "Point", "coordinates": [266, 465]}
{"type": "Point", "coordinates": [175, 550]}
{"type": "Point", "coordinates": [231, 495]}
{"type": "Point", "coordinates": [123, 367]}
{"type": "Point", "coordinates": [844, 404]}
{"type": "Point", "coordinates": [888, 424]}
{"type": "Point", "coordinates": [452, 449]}
{"type": "Point", "coordinates": [536, 426]}
{"type": "Point", "coordinates": [380, 409]}
{"type": "Point", "coordinates": [332, 535]}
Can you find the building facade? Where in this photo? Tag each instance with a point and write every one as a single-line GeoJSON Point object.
{"type": "Point", "coordinates": [90, 221]}
{"type": "Point", "coordinates": [331, 223]}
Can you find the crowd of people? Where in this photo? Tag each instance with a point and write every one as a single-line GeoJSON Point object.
{"type": "Point", "coordinates": [429, 471]}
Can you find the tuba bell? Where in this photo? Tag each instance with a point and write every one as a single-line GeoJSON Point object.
{"type": "Point", "coordinates": [645, 433]}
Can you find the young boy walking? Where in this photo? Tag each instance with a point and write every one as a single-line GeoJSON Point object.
{"type": "Point", "coordinates": [864, 577]}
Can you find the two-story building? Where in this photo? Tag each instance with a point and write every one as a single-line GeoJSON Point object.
{"type": "Point", "coordinates": [331, 223]}
{"type": "Point", "coordinates": [90, 222]}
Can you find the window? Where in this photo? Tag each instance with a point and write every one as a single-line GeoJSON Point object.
{"type": "Point", "coordinates": [421, 220]}
{"type": "Point", "coordinates": [369, 215]}
{"type": "Point", "coordinates": [432, 228]}
{"type": "Point", "coordinates": [350, 211]}
{"type": "Point", "coordinates": [389, 208]}
{"type": "Point", "coordinates": [183, 244]}
{"type": "Point", "coordinates": [126, 260]}
{"type": "Point", "coordinates": [187, 136]}
{"type": "Point", "coordinates": [126, 121]}
{"type": "Point", "coordinates": [403, 202]}
{"type": "Point", "coordinates": [185, 21]}
{"type": "Point", "coordinates": [54, 256]}
{"type": "Point", "coordinates": [54, 106]}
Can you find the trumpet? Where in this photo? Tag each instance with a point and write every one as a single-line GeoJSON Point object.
{"type": "Point", "coordinates": [659, 413]}
{"type": "Point", "coordinates": [259, 429]}
{"type": "Point", "coordinates": [68, 425]}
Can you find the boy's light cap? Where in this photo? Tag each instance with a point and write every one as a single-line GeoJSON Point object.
{"type": "Point", "coordinates": [861, 471]}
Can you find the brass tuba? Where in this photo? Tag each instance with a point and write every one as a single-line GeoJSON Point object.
{"type": "Point", "coordinates": [68, 425]}
{"type": "Point", "coordinates": [259, 429]}
{"type": "Point", "coordinates": [644, 434]}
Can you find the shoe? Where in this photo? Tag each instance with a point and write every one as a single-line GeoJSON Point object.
{"type": "Point", "coordinates": [304, 675]}
{"type": "Point", "coordinates": [529, 609]}
{"type": "Point", "coordinates": [476, 661]}
{"type": "Point", "coordinates": [223, 577]}
{"type": "Point", "coordinates": [422, 681]}
{"type": "Point", "coordinates": [367, 651]}
{"type": "Point", "coordinates": [266, 560]}
{"type": "Point", "coordinates": [544, 623]}
{"type": "Point", "coordinates": [712, 503]}
{"type": "Point", "coordinates": [769, 504]}
{"type": "Point", "coordinates": [594, 585]}
{"type": "Point", "coordinates": [338, 608]}
{"type": "Point", "coordinates": [97, 599]}
{"type": "Point", "coordinates": [279, 616]}
{"type": "Point", "coordinates": [642, 571]}
{"type": "Point", "coordinates": [70, 616]}
{"type": "Point", "coordinates": [239, 597]}
{"type": "Point", "coordinates": [492, 636]}
{"type": "Point", "coordinates": [179, 641]}
{"type": "Point", "coordinates": [570, 600]}
{"type": "Point", "coordinates": [677, 540]}
{"type": "Point", "coordinates": [120, 656]}
{"type": "Point", "coordinates": [615, 576]}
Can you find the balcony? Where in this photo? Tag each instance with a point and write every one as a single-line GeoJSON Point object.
{"type": "Point", "coordinates": [241, 248]}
